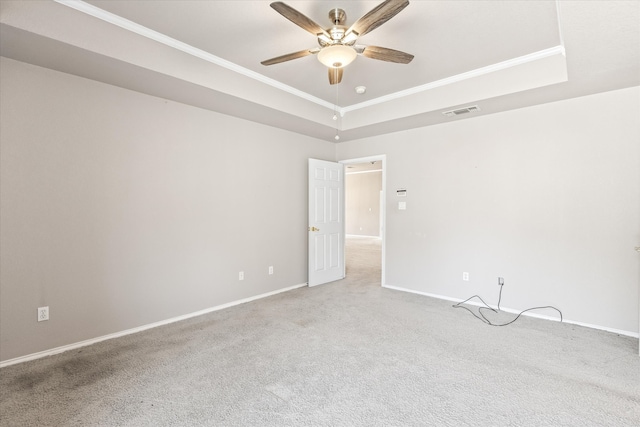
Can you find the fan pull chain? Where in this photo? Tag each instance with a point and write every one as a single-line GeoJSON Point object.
{"type": "Point", "coordinates": [335, 112]}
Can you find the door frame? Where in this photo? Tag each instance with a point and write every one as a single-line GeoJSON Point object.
{"type": "Point", "coordinates": [383, 210]}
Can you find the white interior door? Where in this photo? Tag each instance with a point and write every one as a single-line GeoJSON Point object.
{"type": "Point", "coordinates": [326, 222]}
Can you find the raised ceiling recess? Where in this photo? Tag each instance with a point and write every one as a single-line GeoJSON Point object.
{"type": "Point", "coordinates": [499, 55]}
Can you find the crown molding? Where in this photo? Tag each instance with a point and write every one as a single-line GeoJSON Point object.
{"type": "Point", "coordinates": [459, 77]}
{"type": "Point", "coordinates": [143, 31]}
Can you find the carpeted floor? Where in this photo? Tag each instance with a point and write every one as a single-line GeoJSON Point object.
{"type": "Point", "coordinates": [349, 353]}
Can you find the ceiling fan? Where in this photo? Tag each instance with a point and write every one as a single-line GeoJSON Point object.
{"type": "Point", "coordinates": [337, 44]}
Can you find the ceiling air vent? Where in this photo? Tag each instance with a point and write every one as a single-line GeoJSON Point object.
{"type": "Point", "coordinates": [462, 111]}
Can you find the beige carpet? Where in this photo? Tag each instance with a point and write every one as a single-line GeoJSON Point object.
{"type": "Point", "coordinates": [349, 353]}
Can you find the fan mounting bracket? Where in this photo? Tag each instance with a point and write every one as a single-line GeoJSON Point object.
{"type": "Point", "coordinates": [338, 16]}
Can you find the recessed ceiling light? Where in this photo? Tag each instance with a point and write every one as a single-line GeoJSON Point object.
{"type": "Point", "coordinates": [361, 89]}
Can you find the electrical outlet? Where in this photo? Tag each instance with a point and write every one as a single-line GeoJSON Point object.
{"type": "Point", "coordinates": [465, 276]}
{"type": "Point", "coordinates": [241, 275]}
{"type": "Point", "coordinates": [43, 314]}
{"type": "Point", "coordinates": [500, 281]}
{"type": "Point", "coordinates": [271, 269]}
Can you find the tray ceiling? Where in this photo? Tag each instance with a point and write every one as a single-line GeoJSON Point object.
{"type": "Point", "coordinates": [499, 55]}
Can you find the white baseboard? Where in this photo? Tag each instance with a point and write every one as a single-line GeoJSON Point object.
{"type": "Point", "coordinates": [510, 310]}
{"type": "Point", "coordinates": [76, 345]}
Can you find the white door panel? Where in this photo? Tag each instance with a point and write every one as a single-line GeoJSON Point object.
{"type": "Point", "coordinates": [326, 223]}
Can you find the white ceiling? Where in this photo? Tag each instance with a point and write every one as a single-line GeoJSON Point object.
{"type": "Point", "coordinates": [499, 55]}
{"type": "Point", "coordinates": [352, 168]}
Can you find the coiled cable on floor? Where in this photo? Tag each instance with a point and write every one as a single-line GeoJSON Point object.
{"type": "Point", "coordinates": [487, 307]}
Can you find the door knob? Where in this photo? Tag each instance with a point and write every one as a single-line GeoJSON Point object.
{"type": "Point", "coordinates": [313, 229]}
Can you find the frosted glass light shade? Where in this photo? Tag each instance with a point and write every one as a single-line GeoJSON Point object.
{"type": "Point", "coordinates": [337, 56]}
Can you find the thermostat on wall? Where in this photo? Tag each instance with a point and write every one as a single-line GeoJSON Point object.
{"type": "Point", "coordinates": [401, 192]}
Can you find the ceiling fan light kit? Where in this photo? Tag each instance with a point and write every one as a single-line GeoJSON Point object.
{"type": "Point", "coordinates": [337, 44]}
{"type": "Point", "coordinates": [337, 55]}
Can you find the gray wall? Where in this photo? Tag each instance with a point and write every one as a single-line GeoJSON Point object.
{"type": "Point", "coordinates": [120, 209]}
{"type": "Point", "coordinates": [547, 197]}
{"type": "Point", "coordinates": [362, 203]}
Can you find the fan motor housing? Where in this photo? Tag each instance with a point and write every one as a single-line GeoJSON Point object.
{"type": "Point", "coordinates": [337, 32]}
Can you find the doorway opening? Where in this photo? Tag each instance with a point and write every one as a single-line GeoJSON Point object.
{"type": "Point", "coordinates": [365, 189]}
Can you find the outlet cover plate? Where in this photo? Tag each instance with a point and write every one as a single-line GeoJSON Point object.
{"type": "Point", "coordinates": [43, 314]}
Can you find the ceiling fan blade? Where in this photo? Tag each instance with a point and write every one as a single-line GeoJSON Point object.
{"type": "Point", "coordinates": [299, 19]}
{"type": "Point", "coordinates": [377, 16]}
{"type": "Point", "coordinates": [335, 75]}
{"type": "Point", "coordinates": [290, 56]}
{"type": "Point", "coordinates": [386, 54]}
